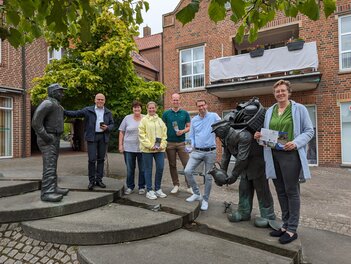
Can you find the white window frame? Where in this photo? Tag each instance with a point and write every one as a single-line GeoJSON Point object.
{"type": "Point", "coordinates": [54, 54]}
{"type": "Point", "coordinates": [192, 88]}
{"type": "Point", "coordinates": [340, 35]}
{"type": "Point", "coordinates": [9, 109]}
{"type": "Point", "coordinates": [316, 134]}
{"type": "Point", "coordinates": [341, 133]}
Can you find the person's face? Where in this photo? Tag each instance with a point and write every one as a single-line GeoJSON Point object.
{"type": "Point", "coordinates": [151, 109]}
{"type": "Point", "coordinates": [100, 100]}
{"type": "Point", "coordinates": [137, 110]}
{"type": "Point", "coordinates": [58, 94]}
{"type": "Point", "coordinates": [281, 93]}
{"type": "Point", "coordinates": [175, 101]}
{"type": "Point", "coordinates": [202, 107]}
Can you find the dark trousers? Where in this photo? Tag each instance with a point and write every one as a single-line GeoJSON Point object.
{"type": "Point", "coordinates": [50, 154]}
{"type": "Point", "coordinates": [287, 168]}
{"type": "Point", "coordinates": [264, 197]}
{"type": "Point", "coordinates": [96, 158]}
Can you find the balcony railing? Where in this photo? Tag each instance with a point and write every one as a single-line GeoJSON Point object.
{"type": "Point", "coordinates": [273, 61]}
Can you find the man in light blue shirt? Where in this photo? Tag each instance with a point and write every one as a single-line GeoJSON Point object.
{"type": "Point", "coordinates": [204, 150]}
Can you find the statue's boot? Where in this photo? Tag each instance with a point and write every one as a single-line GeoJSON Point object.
{"type": "Point", "coordinates": [236, 216]}
{"type": "Point", "coordinates": [267, 215]}
{"type": "Point", "coordinates": [62, 191]}
{"type": "Point", "coordinates": [51, 197]}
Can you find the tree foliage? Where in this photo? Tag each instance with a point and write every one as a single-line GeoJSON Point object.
{"type": "Point", "coordinates": [252, 15]}
{"type": "Point", "coordinates": [22, 21]}
{"type": "Point", "coordinates": [104, 64]}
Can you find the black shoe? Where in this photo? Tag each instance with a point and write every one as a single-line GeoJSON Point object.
{"type": "Point", "coordinates": [100, 184]}
{"type": "Point", "coordinates": [277, 233]}
{"type": "Point", "coordinates": [91, 186]}
{"type": "Point", "coordinates": [62, 191]}
{"type": "Point", "coordinates": [51, 197]}
{"type": "Point", "coordinates": [286, 238]}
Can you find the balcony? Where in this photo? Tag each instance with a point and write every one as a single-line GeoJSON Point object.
{"type": "Point", "coordinates": [241, 75]}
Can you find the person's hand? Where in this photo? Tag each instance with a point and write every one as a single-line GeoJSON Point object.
{"type": "Point", "coordinates": [121, 149]}
{"type": "Point", "coordinates": [290, 146]}
{"type": "Point", "coordinates": [180, 132]}
{"type": "Point", "coordinates": [257, 135]}
{"type": "Point", "coordinates": [104, 127]}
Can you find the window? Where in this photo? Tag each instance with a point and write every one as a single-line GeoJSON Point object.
{"type": "Point", "coordinates": [345, 42]}
{"type": "Point", "coordinates": [192, 68]}
{"type": "Point", "coordinates": [312, 153]}
{"type": "Point", "coordinates": [345, 111]}
{"type": "Point", "coordinates": [54, 54]}
{"type": "Point", "coordinates": [5, 127]}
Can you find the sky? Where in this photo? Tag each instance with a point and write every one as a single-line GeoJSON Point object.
{"type": "Point", "coordinates": [153, 18]}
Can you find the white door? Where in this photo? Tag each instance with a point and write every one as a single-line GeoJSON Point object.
{"type": "Point", "coordinates": [346, 132]}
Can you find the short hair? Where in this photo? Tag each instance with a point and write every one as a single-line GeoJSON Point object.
{"type": "Point", "coordinates": [136, 103]}
{"type": "Point", "coordinates": [281, 82]}
{"type": "Point", "coordinates": [151, 102]}
{"type": "Point", "coordinates": [200, 100]}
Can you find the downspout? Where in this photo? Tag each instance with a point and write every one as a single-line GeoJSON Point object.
{"type": "Point", "coordinates": [162, 69]}
{"type": "Point", "coordinates": [24, 103]}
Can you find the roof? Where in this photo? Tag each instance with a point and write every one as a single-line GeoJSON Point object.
{"type": "Point", "coordinates": [149, 42]}
{"type": "Point", "coordinates": [141, 60]}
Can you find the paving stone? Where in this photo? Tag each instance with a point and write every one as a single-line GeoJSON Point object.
{"type": "Point", "coordinates": [17, 236]}
{"type": "Point", "coordinates": [3, 259]}
{"type": "Point", "coordinates": [11, 244]}
{"type": "Point", "coordinates": [48, 246]}
{"type": "Point", "coordinates": [8, 233]}
{"type": "Point", "coordinates": [44, 260]}
{"type": "Point", "coordinates": [3, 227]}
{"type": "Point", "coordinates": [29, 241]}
{"type": "Point", "coordinates": [6, 250]}
{"type": "Point", "coordinates": [19, 245]}
{"type": "Point", "coordinates": [42, 253]}
{"type": "Point", "coordinates": [23, 239]}
{"type": "Point", "coordinates": [19, 256]}
{"type": "Point", "coordinates": [34, 260]}
{"type": "Point", "coordinates": [10, 261]}
{"type": "Point", "coordinates": [4, 241]}
{"type": "Point", "coordinates": [71, 250]}
{"type": "Point", "coordinates": [52, 253]}
{"type": "Point", "coordinates": [27, 248]}
{"type": "Point", "coordinates": [1, 248]}
{"type": "Point", "coordinates": [62, 247]}
{"type": "Point", "coordinates": [35, 242]}
{"type": "Point", "coordinates": [35, 250]}
{"type": "Point", "coordinates": [59, 255]}
{"type": "Point", "coordinates": [28, 257]}
{"type": "Point", "coordinates": [12, 253]}
{"type": "Point", "coordinates": [18, 262]}
{"type": "Point", "coordinates": [65, 259]}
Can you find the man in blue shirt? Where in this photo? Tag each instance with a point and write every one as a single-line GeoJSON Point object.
{"type": "Point", "coordinates": [204, 150]}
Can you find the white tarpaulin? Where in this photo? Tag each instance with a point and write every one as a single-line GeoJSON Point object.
{"type": "Point", "coordinates": [273, 60]}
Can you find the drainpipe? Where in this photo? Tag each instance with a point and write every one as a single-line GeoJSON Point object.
{"type": "Point", "coordinates": [24, 102]}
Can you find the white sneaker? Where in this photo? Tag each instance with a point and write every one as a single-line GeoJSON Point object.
{"type": "Point", "coordinates": [128, 191]}
{"type": "Point", "coordinates": [175, 189]}
{"type": "Point", "coordinates": [151, 195]}
{"type": "Point", "coordinates": [142, 191]}
{"type": "Point", "coordinates": [193, 198]}
{"type": "Point", "coordinates": [204, 205]}
{"type": "Point", "coordinates": [161, 194]}
{"type": "Point", "coordinates": [190, 190]}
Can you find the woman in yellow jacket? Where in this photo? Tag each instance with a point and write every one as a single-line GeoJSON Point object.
{"type": "Point", "coordinates": [153, 143]}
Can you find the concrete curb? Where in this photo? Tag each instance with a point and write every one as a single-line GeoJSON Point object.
{"type": "Point", "coordinates": [10, 188]}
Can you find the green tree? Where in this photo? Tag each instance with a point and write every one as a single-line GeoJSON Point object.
{"type": "Point", "coordinates": [22, 21]}
{"type": "Point", "coordinates": [103, 64]}
{"type": "Point", "coordinates": [252, 15]}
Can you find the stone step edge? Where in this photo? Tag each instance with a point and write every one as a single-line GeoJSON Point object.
{"type": "Point", "coordinates": [19, 189]}
{"type": "Point", "coordinates": [296, 256]}
{"type": "Point", "coordinates": [186, 218]}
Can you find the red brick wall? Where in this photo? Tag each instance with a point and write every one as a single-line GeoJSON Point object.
{"type": "Point", "coordinates": [11, 77]}
{"type": "Point", "coordinates": [154, 56]}
{"type": "Point", "coordinates": [334, 87]}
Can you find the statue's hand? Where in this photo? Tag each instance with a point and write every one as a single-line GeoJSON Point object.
{"type": "Point", "coordinates": [50, 139]}
{"type": "Point", "coordinates": [232, 179]}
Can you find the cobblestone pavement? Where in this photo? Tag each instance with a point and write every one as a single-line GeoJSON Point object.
{"type": "Point", "coordinates": [16, 248]}
{"type": "Point", "coordinates": [325, 205]}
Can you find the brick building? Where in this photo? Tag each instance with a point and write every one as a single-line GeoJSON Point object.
{"type": "Point", "coordinates": [202, 60]}
{"type": "Point", "coordinates": [17, 69]}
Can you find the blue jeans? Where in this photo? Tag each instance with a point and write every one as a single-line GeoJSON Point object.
{"type": "Point", "coordinates": [130, 160]}
{"type": "Point", "coordinates": [148, 162]}
{"type": "Point", "coordinates": [196, 157]}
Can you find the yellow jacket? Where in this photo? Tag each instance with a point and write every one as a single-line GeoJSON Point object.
{"type": "Point", "coordinates": [150, 128]}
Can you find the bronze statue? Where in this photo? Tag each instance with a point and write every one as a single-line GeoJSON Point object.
{"type": "Point", "coordinates": [236, 133]}
{"type": "Point", "coordinates": [47, 123]}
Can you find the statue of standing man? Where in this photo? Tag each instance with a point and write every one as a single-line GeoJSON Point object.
{"type": "Point", "coordinates": [47, 123]}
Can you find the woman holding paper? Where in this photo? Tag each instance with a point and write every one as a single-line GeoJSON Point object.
{"type": "Point", "coordinates": [285, 166]}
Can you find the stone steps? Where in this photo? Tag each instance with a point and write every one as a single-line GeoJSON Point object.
{"type": "Point", "coordinates": [177, 247]}
{"type": "Point", "coordinates": [28, 206]}
{"type": "Point", "coordinates": [10, 188]}
{"type": "Point", "coordinates": [134, 218]}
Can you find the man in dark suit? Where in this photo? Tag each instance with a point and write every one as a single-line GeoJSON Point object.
{"type": "Point", "coordinates": [98, 124]}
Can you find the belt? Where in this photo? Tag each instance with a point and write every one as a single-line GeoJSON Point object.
{"type": "Point", "coordinates": [205, 149]}
{"type": "Point", "coordinates": [97, 133]}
